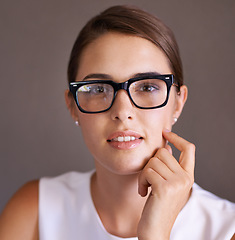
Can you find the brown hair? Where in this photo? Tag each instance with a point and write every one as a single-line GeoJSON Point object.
{"type": "Point", "coordinates": [133, 21]}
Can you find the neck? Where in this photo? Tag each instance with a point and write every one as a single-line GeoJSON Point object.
{"type": "Point", "coordinates": [117, 201]}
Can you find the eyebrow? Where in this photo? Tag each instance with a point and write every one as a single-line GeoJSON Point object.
{"type": "Point", "coordinates": [146, 74]}
{"type": "Point", "coordinates": [109, 77]}
{"type": "Point", "coordinates": [98, 75]}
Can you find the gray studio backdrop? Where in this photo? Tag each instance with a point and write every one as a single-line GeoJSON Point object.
{"type": "Point", "coordinates": [38, 137]}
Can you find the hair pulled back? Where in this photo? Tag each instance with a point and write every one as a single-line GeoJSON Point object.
{"type": "Point", "coordinates": [127, 20]}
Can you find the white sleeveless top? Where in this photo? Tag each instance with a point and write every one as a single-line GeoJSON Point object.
{"type": "Point", "coordinates": [67, 212]}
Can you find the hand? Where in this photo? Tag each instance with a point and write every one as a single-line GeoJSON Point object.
{"type": "Point", "coordinates": [170, 182]}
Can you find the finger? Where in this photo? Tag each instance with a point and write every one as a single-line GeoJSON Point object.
{"type": "Point", "coordinates": [147, 178]}
{"type": "Point", "coordinates": [154, 169]}
{"type": "Point", "coordinates": [168, 159]}
{"type": "Point", "coordinates": [179, 142]}
{"type": "Point", "coordinates": [187, 157]}
{"type": "Point", "coordinates": [160, 167]}
{"type": "Point", "coordinates": [168, 147]}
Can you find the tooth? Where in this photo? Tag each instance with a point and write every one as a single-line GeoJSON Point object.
{"type": "Point", "coordinates": [127, 138]}
{"type": "Point", "coordinates": [120, 139]}
{"type": "Point", "coordinates": [123, 139]}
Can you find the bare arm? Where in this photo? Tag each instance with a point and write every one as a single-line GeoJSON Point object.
{"type": "Point", "coordinates": [19, 219]}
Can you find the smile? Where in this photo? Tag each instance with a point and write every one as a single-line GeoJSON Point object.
{"type": "Point", "coordinates": [123, 139]}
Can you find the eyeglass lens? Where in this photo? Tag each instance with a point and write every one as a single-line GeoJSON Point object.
{"type": "Point", "coordinates": [145, 93]}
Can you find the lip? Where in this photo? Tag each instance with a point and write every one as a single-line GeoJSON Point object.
{"type": "Point", "coordinates": [125, 145]}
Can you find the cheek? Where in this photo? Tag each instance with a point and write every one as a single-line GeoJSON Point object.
{"type": "Point", "coordinates": [154, 122]}
{"type": "Point", "coordinates": [88, 127]}
{"type": "Point", "coordinates": [93, 130]}
{"type": "Point", "coordinates": [169, 111]}
{"type": "Point", "coordinates": [158, 119]}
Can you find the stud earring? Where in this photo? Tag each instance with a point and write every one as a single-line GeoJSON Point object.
{"type": "Point", "coordinates": [77, 123]}
{"type": "Point", "coordinates": [175, 119]}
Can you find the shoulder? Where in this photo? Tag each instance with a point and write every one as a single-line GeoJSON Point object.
{"type": "Point", "coordinates": [64, 204]}
{"type": "Point", "coordinates": [19, 219]}
{"type": "Point", "coordinates": [205, 216]}
{"type": "Point", "coordinates": [214, 212]}
{"type": "Point", "coordinates": [211, 202]}
{"type": "Point", "coordinates": [64, 188]}
{"type": "Point", "coordinates": [67, 181]}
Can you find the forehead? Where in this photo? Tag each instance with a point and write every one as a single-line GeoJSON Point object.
{"type": "Point", "coordinates": [122, 56]}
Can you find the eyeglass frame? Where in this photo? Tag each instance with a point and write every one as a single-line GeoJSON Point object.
{"type": "Point", "coordinates": [167, 78]}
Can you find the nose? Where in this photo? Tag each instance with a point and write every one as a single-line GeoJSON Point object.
{"type": "Point", "coordinates": [123, 108]}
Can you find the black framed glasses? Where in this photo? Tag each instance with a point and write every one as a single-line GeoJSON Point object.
{"type": "Point", "coordinates": [96, 96]}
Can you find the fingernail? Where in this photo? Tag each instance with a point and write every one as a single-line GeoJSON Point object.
{"type": "Point", "coordinates": [166, 130]}
{"type": "Point", "coordinates": [141, 193]}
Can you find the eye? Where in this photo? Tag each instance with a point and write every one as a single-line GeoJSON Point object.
{"type": "Point", "coordinates": [92, 89]}
{"type": "Point", "coordinates": [148, 88]}
{"type": "Point", "coordinates": [97, 89]}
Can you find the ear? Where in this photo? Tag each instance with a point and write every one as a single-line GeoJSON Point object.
{"type": "Point", "coordinates": [181, 98]}
{"type": "Point", "coordinates": [71, 105]}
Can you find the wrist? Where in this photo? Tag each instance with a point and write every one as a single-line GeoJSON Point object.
{"type": "Point", "coordinates": [154, 236]}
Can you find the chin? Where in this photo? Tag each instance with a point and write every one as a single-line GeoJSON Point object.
{"type": "Point", "coordinates": [128, 166]}
{"type": "Point", "coordinates": [126, 172]}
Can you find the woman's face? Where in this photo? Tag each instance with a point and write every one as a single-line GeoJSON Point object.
{"type": "Point", "coordinates": [122, 57]}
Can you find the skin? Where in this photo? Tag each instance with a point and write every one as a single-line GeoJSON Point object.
{"type": "Point", "coordinates": [129, 55]}
{"type": "Point", "coordinates": [148, 173]}
{"type": "Point", "coordinates": [19, 219]}
{"type": "Point", "coordinates": [132, 189]}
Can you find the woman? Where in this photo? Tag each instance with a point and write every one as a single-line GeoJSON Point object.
{"type": "Point", "coordinates": [126, 93]}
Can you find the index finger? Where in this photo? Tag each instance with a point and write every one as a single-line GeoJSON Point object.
{"type": "Point", "coordinates": [187, 156]}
